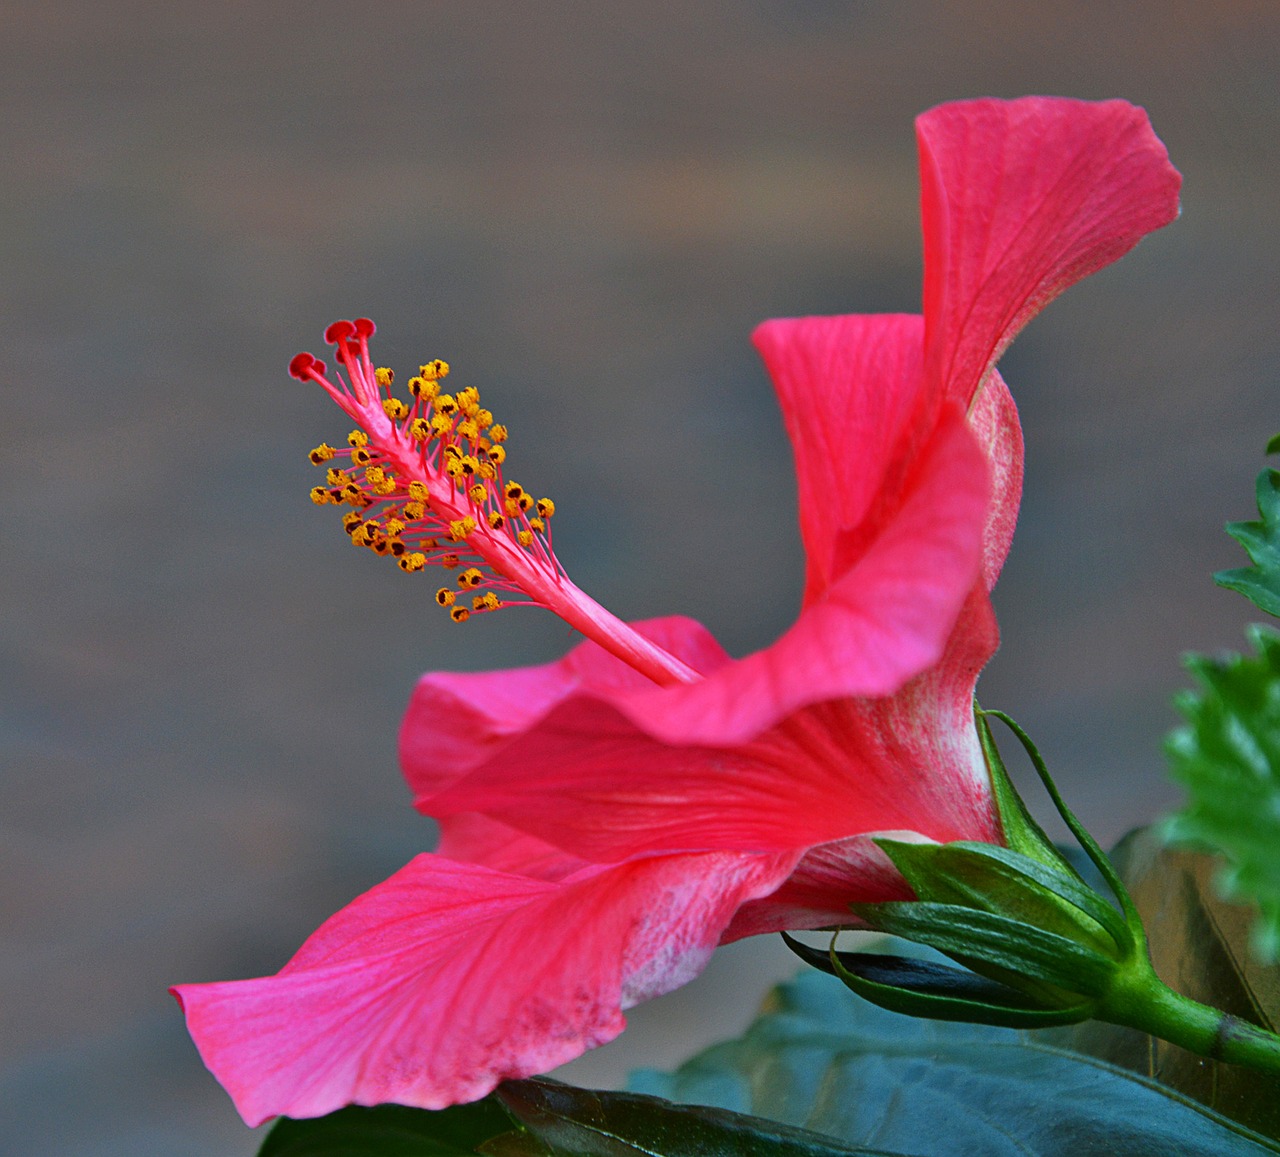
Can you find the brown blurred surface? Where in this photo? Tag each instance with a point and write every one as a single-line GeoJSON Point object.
{"type": "Point", "coordinates": [585, 208]}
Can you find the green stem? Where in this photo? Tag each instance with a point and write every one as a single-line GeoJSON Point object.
{"type": "Point", "coordinates": [1140, 999]}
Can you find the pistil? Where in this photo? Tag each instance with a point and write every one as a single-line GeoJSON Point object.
{"type": "Point", "coordinates": [425, 483]}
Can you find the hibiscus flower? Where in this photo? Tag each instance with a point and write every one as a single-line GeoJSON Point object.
{"type": "Point", "coordinates": [610, 818]}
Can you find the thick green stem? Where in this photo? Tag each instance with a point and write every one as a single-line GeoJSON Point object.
{"type": "Point", "coordinates": [1143, 1001]}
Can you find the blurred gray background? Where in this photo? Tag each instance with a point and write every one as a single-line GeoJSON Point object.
{"type": "Point", "coordinates": [585, 208]}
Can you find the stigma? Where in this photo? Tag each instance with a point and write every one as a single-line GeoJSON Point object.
{"type": "Point", "coordinates": [424, 483]}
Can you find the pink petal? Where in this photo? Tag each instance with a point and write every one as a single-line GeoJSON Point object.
{"type": "Point", "coordinates": [1020, 200]}
{"type": "Point", "coordinates": [850, 392]}
{"type": "Point", "coordinates": [457, 721]}
{"type": "Point", "coordinates": [993, 419]}
{"type": "Point", "coordinates": [477, 839]}
{"type": "Point", "coordinates": [447, 978]}
{"type": "Point", "coordinates": [592, 779]}
{"type": "Point", "coordinates": [818, 893]}
{"type": "Point", "coordinates": [885, 618]}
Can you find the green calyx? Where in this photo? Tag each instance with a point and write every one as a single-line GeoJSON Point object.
{"type": "Point", "coordinates": [1036, 944]}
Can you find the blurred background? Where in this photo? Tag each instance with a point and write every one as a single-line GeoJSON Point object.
{"type": "Point", "coordinates": [585, 208]}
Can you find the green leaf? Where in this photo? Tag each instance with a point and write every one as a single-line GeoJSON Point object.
{"type": "Point", "coordinates": [822, 1059]}
{"type": "Point", "coordinates": [1259, 583]}
{"type": "Point", "coordinates": [390, 1131]}
{"type": "Point", "coordinates": [596, 1124]}
{"type": "Point", "coordinates": [1198, 945]}
{"type": "Point", "coordinates": [1228, 757]}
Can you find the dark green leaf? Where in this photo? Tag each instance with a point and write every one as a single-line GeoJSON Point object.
{"type": "Point", "coordinates": [1199, 947]}
{"type": "Point", "coordinates": [390, 1131]}
{"type": "Point", "coordinates": [1228, 757]}
{"type": "Point", "coordinates": [595, 1124]}
{"type": "Point", "coordinates": [822, 1059]}
{"type": "Point", "coordinates": [1259, 583]}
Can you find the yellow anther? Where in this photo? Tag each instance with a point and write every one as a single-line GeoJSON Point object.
{"type": "Point", "coordinates": [380, 545]}
{"type": "Point", "coordinates": [446, 404]}
{"type": "Point", "coordinates": [488, 471]}
{"type": "Point", "coordinates": [513, 490]}
{"type": "Point", "coordinates": [468, 428]}
{"type": "Point", "coordinates": [496, 520]}
{"type": "Point", "coordinates": [414, 510]}
{"type": "Point", "coordinates": [470, 464]}
{"type": "Point", "coordinates": [357, 438]}
{"type": "Point", "coordinates": [452, 451]}
{"type": "Point", "coordinates": [322, 453]}
{"type": "Point", "coordinates": [526, 501]}
{"type": "Point", "coordinates": [512, 506]}
{"type": "Point", "coordinates": [360, 456]}
{"type": "Point", "coordinates": [336, 477]}
{"type": "Point", "coordinates": [434, 370]}
{"type": "Point", "coordinates": [419, 492]}
{"type": "Point", "coordinates": [483, 418]}
{"type": "Point", "coordinates": [393, 526]}
{"type": "Point", "coordinates": [353, 494]}
{"type": "Point", "coordinates": [350, 521]}
{"type": "Point", "coordinates": [471, 577]}
{"type": "Point", "coordinates": [320, 496]}
{"type": "Point", "coordinates": [498, 433]}
{"type": "Point", "coordinates": [453, 467]}
{"type": "Point", "coordinates": [498, 454]}
{"type": "Point", "coordinates": [477, 493]}
{"type": "Point", "coordinates": [397, 547]}
{"type": "Point", "coordinates": [374, 474]}
{"type": "Point", "coordinates": [525, 537]}
{"type": "Point", "coordinates": [485, 602]}
{"type": "Point", "coordinates": [441, 424]}
{"type": "Point", "coordinates": [420, 429]}
{"type": "Point", "coordinates": [449, 561]}
{"type": "Point", "coordinates": [423, 387]}
{"type": "Point", "coordinates": [459, 528]}
{"type": "Point", "coordinates": [459, 614]}
{"type": "Point", "coordinates": [412, 562]}
{"type": "Point", "coordinates": [395, 409]}
{"type": "Point", "coordinates": [445, 597]}
{"type": "Point", "coordinates": [383, 376]}
{"type": "Point", "coordinates": [385, 487]}
{"type": "Point", "coordinates": [537, 524]}
{"type": "Point", "coordinates": [469, 401]}
{"type": "Point", "coordinates": [546, 508]}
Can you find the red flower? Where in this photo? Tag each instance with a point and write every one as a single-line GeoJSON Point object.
{"type": "Point", "coordinates": [609, 818]}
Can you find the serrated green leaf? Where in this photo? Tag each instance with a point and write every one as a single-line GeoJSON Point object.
{"type": "Point", "coordinates": [586, 1123]}
{"type": "Point", "coordinates": [1259, 583]}
{"type": "Point", "coordinates": [1228, 758]}
{"type": "Point", "coordinates": [1198, 945]}
{"type": "Point", "coordinates": [821, 1059]}
{"type": "Point", "coordinates": [390, 1131]}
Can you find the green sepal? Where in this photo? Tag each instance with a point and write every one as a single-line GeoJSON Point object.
{"type": "Point", "coordinates": [1001, 941]}
{"type": "Point", "coordinates": [1259, 583]}
{"type": "Point", "coordinates": [1087, 843]}
{"type": "Point", "coordinates": [995, 879]}
{"type": "Point", "coordinates": [937, 991]}
{"type": "Point", "coordinates": [1021, 832]}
